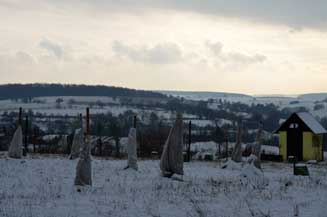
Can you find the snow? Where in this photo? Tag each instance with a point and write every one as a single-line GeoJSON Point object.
{"type": "Point", "coordinates": [268, 149]}
{"type": "Point", "coordinates": [223, 122]}
{"type": "Point", "coordinates": [203, 123]}
{"type": "Point", "coordinates": [50, 137]}
{"type": "Point", "coordinates": [43, 187]}
{"type": "Point", "coordinates": [48, 106]}
{"type": "Point", "coordinates": [232, 165]}
{"type": "Point", "coordinates": [281, 121]}
{"type": "Point", "coordinates": [206, 95]}
{"type": "Point", "coordinates": [312, 161]}
{"type": "Point", "coordinates": [311, 122]}
{"type": "Point", "coordinates": [210, 147]}
{"type": "Point", "coordinates": [250, 171]}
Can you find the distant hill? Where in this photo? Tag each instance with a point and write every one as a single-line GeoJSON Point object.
{"type": "Point", "coordinates": [203, 95]}
{"type": "Point", "coordinates": [282, 96]}
{"type": "Point", "coordinates": [313, 96]}
{"type": "Point", "coordinates": [41, 90]}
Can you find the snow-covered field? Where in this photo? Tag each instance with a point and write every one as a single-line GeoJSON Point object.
{"type": "Point", "coordinates": [43, 187]}
{"type": "Point", "coordinates": [308, 100]}
{"type": "Point", "coordinates": [49, 106]}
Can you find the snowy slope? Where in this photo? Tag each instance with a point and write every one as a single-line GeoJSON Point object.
{"type": "Point", "coordinates": [44, 188]}
{"type": "Point", "coordinates": [202, 95]}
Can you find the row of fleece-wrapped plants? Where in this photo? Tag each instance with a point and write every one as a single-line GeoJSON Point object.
{"type": "Point", "coordinates": [82, 185]}
{"type": "Point", "coordinates": [171, 160]}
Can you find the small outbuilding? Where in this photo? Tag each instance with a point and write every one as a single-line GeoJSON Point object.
{"type": "Point", "coordinates": [301, 135]}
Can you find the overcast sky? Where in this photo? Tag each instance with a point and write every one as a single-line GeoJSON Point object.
{"type": "Point", "coordinates": [246, 46]}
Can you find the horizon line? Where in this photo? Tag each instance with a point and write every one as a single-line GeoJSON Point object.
{"type": "Point", "coordinates": [291, 95]}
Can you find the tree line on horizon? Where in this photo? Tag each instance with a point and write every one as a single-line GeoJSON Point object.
{"type": "Point", "coordinates": [15, 91]}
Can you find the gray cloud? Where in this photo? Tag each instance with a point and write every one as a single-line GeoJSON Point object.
{"type": "Point", "coordinates": [215, 47]}
{"type": "Point", "coordinates": [170, 53]}
{"type": "Point", "coordinates": [164, 53]}
{"type": "Point", "coordinates": [245, 59]}
{"type": "Point", "coordinates": [294, 13]}
{"type": "Point", "coordinates": [52, 48]}
{"type": "Point", "coordinates": [233, 57]}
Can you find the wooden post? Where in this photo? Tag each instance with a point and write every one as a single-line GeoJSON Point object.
{"type": "Point", "coordinates": [226, 140]}
{"type": "Point", "coordinates": [160, 134]}
{"type": "Point", "coordinates": [189, 141]}
{"type": "Point", "coordinates": [20, 117]}
{"type": "Point", "coordinates": [219, 143]}
{"type": "Point", "coordinates": [219, 150]}
{"type": "Point", "coordinates": [134, 122]}
{"type": "Point", "coordinates": [26, 132]}
{"type": "Point", "coordinates": [294, 164]}
{"type": "Point", "coordinates": [34, 138]}
{"type": "Point", "coordinates": [87, 121]}
{"type": "Point", "coordinates": [80, 120]}
{"type": "Point", "coordinates": [100, 144]}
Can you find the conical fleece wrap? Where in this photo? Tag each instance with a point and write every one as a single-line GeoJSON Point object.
{"type": "Point", "coordinates": [77, 143]}
{"type": "Point", "coordinates": [171, 161]}
{"type": "Point", "coordinates": [257, 149]}
{"type": "Point", "coordinates": [132, 149]}
{"type": "Point", "coordinates": [15, 149]}
{"type": "Point", "coordinates": [84, 166]}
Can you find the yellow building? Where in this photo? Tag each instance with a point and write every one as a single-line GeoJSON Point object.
{"type": "Point", "coordinates": [301, 135]}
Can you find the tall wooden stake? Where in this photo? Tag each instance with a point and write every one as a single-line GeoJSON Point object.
{"type": "Point", "coordinates": [160, 131]}
{"type": "Point", "coordinates": [134, 122]}
{"type": "Point", "coordinates": [26, 132]}
{"type": "Point", "coordinates": [219, 143]}
{"type": "Point", "coordinates": [34, 136]}
{"type": "Point", "coordinates": [80, 121]}
{"type": "Point", "coordinates": [87, 121]}
{"type": "Point", "coordinates": [20, 117]}
{"type": "Point", "coordinates": [189, 141]}
{"type": "Point", "coordinates": [226, 140]}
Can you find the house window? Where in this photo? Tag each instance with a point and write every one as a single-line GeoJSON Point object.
{"type": "Point", "coordinates": [294, 125]}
